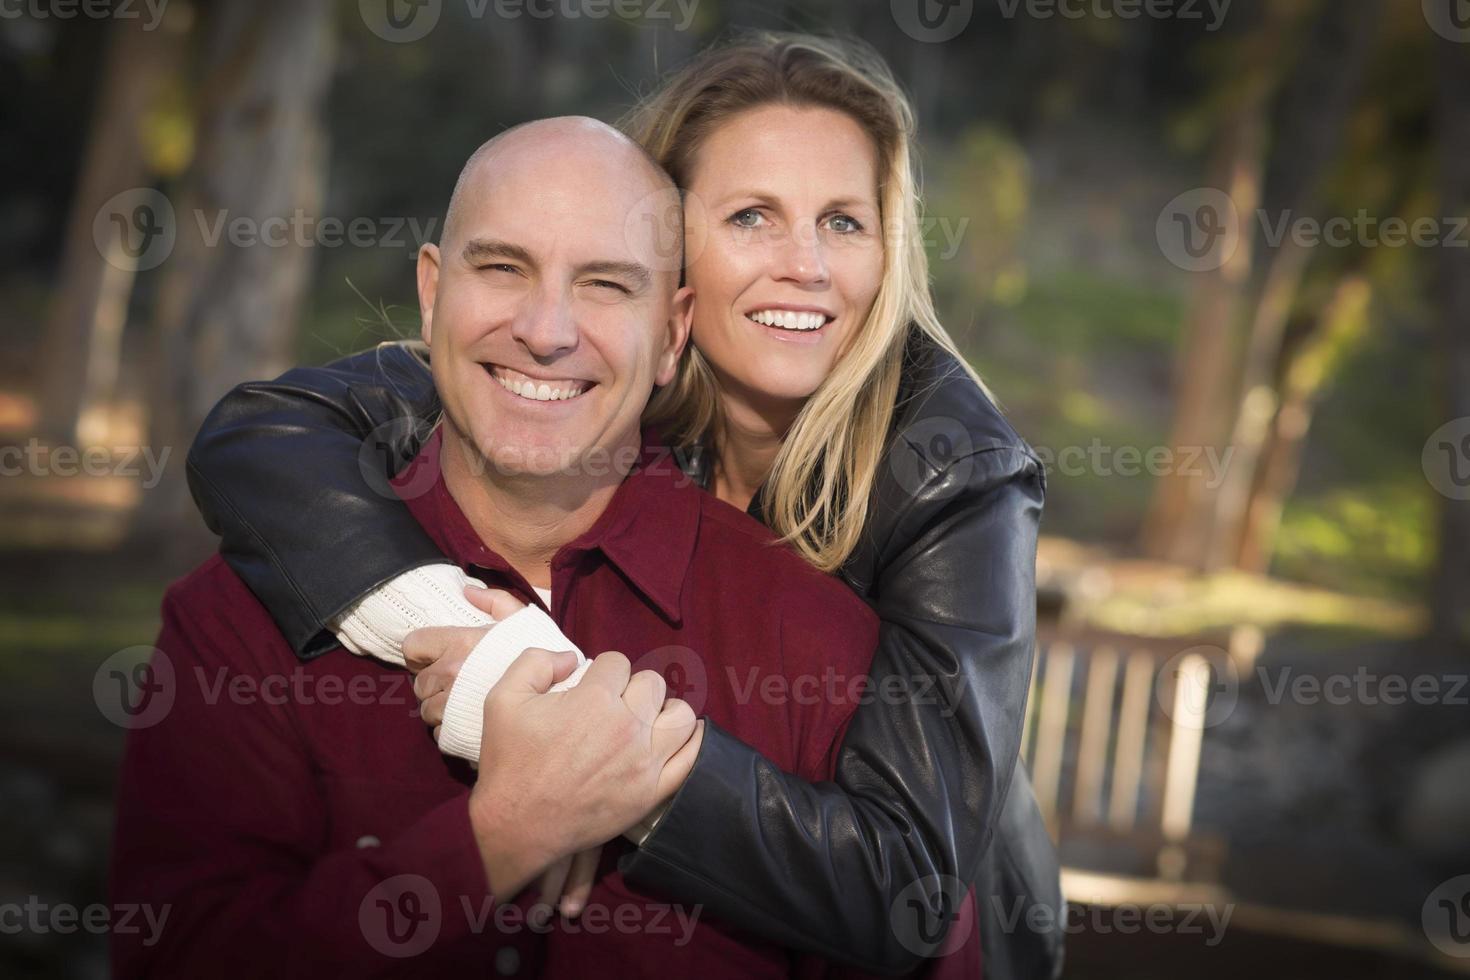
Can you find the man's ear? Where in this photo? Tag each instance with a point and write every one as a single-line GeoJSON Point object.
{"type": "Point", "coordinates": [428, 274]}
{"type": "Point", "coordinates": [681, 318]}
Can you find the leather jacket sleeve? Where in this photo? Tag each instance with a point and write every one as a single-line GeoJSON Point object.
{"type": "Point", "coordinates": [921, 778]}
{"type": "Point", "coordinates": [292, 474]}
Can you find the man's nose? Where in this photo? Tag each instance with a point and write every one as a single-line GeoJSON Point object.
{"type": "Point", "coordinates": [546, 325]}
{"type": "Point", "coordinates": [802, 258]}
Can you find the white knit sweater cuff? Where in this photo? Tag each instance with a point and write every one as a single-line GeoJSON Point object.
{"type": "Point", "coordinates": [464, 713]}
{"type": "Point", "coordinates": [431, 595]}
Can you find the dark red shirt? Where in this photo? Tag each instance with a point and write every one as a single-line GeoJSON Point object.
{"type": "Point", "coordinates": [297, 819]}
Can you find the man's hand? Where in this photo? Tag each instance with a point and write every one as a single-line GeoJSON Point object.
{"type": "Point", "coordinates": [435, 654]}
{"type": "Point", "coordinates": [567, 884]}
{"type": "Point", "coordinates": [560, 773]}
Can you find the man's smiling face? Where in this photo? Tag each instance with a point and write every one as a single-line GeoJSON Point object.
{"type": "Point", "coordinates": [547, 316]}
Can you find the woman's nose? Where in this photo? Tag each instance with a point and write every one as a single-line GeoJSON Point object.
{"type": "Point", "coordinates": [803, 258]}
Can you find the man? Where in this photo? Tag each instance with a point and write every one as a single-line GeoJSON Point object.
{"type": "Point", "coordinates": [322, 832]}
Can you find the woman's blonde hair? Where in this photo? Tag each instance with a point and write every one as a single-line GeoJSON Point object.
{"type": "Point", "coordinates": [816, 497]}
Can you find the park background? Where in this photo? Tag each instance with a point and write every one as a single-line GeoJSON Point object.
{"type": "Point", "coordinates": [1212, 259]}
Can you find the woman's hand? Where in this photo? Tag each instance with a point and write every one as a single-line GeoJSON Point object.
{"type": "Point", "coordinates": [435, 654]}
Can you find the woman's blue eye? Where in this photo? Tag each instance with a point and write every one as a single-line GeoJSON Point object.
{"type": "Point", "coordinates": [747, 218]}
{"type": "Point", "coordinates": [845, 223]}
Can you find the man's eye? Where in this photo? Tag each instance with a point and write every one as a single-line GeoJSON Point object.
{"type": "Point", "coordinates": [609, 284]}
{"type": "Point", "coordinates": [499, 267]}
{"type": "Point", "coordinates": [748, 218]}
{"type": "Point", "coordinates": [845, 223]}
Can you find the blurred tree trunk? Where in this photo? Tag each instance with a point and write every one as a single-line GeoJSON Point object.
{"type": "Point", "coordinates": [1320, 98]}
{"type": "Point", "coordinates": [1450, 596]}
{"type": "Point", "coordinates": [1177, 525]}
{"type": "Point", "coordinates": [228, 305]}
{"type": "Point", "coordinates": [1305, 370]}
{"type": "Point", "coordinates": [80, 348]}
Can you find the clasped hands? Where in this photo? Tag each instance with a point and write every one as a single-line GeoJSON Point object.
{"type": "Point", "coordinates": [560, 773]}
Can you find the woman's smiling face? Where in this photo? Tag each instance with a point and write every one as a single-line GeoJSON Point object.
{"type": "Point", "coordinates": [784, 206]}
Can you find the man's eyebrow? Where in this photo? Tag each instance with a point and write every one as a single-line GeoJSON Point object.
{"type": "Point", "coordinates": [634, 272]}
{"type": "Point", "coordinates": [478, 250]}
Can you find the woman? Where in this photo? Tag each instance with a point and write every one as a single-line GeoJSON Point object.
{"type": "Point", "coordinates": [821, 394]}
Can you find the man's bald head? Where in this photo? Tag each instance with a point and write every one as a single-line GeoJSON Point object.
{"type": "Point", "coordinates": [560, 137]}
{"type": "Point", "coordinates": [550, 303]}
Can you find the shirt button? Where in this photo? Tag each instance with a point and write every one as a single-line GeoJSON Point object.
{"type": "Point", "coordinates": [507, 961]}
{"type": "Point", "coordinates": [367, 840]}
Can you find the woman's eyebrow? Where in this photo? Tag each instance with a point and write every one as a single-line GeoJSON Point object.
{"type": "Point", "coordinates": [848, 202]}
{"type": "Point", "coordinates": [835, 203]}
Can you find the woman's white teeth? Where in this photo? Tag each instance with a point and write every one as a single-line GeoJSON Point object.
{"type": "Point", "coordinates": [521, 385]}
{"type": "Point", "coordinates": [788, 319]}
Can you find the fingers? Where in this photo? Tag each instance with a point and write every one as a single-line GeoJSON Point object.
{"type": "Point", "coordinates": [497, 603]}
{"type": "Point", "coordinates": [578, 887]}
{"type": "Point", "coordinates": [428, 683]}
{"type": "Point", "coordinates": [431, 710]}
{"type": "Point", "coordinates": [533, 672]}
{"type": "Point", "coordinates": [672, 728]}
{"type": "Point", "coordinates": [644, 695]}
{"type": "Point", "coordinates": [428, 645]}
{"type": "Point", "coordinates": [423, 647]}
{"type": "Point", "coordinates": [552, 881]}
{"type": "Point", "coordinates": [680, 765]}
{"type": "Point", "coordinates": [565, 665]}
{"type": "Point", "coordinates": [609, 673]}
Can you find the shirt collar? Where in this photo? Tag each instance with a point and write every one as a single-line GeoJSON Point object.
{"type": "Point", "coordinates": [647, 532]}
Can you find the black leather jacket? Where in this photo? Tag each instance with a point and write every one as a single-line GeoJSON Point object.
{"type": "Point", "coordinates": [947, 560]}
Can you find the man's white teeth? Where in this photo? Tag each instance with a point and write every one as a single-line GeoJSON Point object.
{"type": "Point", "coordinates": [542, 392]}
{"type": "Point", "coordinates": [788, 319]}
